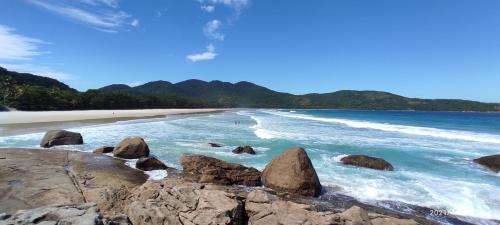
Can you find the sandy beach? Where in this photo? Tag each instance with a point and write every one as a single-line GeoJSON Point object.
{"type": "Point", "coordinates": [24, 122]}
{"type": "Point", "coordinates": [22, 117]}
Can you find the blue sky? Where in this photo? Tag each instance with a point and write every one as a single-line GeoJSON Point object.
{"type": "Point", "coordinates": [415, 48]}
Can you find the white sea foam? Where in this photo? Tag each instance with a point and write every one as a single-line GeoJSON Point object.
{"type": "Point", "coordinates": [338, 157]}
{"type": "Point", "coordinates": [156, 174]}
{"type": "Point", "coordinates": [153, 174]}
{"type": "Point", "coordinates": [413, 130]}
{"type": "Point", "coordinates": [259, 131]}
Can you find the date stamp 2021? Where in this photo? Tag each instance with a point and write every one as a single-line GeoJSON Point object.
{"type": "Point", "coordinates": [439, 212]}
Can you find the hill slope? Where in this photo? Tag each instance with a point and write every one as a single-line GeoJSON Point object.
{"type": "Point", "coordinates": [31, 92]}
{"type": "Point", "coordinates": [246, 94]}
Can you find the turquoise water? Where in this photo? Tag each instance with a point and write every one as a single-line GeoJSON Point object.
{"type": "Point", "coordinates": [432, 152]}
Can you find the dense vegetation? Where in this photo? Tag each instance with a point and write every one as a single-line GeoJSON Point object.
{"type": "Point", "coordinates": [40, 93]}
{"type": "Point", "coordinates": [30, 92]}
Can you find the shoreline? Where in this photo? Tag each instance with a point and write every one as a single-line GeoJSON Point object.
{"type": "Point", "coordinates": [25, 122]}
{"type": "Point", "coordinates": [24, 117]}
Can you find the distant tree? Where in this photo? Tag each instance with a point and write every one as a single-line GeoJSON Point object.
{"type": "Point", "coordinates": [8, 89]}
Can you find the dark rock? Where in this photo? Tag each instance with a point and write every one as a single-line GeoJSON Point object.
{"type": "Point", "coordinates": [150, 163]}
{"type": "Point", "coordinates": [292, 172]}
{"type": "Point", "coordinates": [492, 162]}
{"type": "Point", "coordinates": [247, 149]}
{"type": "Point", "coordinates": [205, 169]}
{"type": "Point", "coordinates": [131, 148]}
{"type": "Point", "coordinates": [368, 162]}
{"type": "Point", "coordinates": [214, 145]}
{"type": "Point", "coordinates": [104, 149]}
{"type": "Point", "coordinates": [61, 137]}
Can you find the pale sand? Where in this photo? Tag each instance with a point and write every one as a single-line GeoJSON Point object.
{"type": "Point", "coordinates": [21, 122]}
{"type": "Point", "coordinates": [23, 117]}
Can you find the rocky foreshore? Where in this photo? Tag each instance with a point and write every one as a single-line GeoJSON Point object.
{"type": "Point", "coordinates": [68, 187]}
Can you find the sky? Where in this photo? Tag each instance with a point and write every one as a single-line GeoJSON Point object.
{"type": "Point", "coordinates": [414, 48]}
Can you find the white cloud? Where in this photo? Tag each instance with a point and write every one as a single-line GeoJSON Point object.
{"type": "Point", "coordinates": [207, 55]}
{"type": "Point", "coordinates": [135, 83]}
{"type": "Point", "coordinates": [135, 23]}
{"type": "Point", "coordinates": [237, 5]}
{"type": "Point", "coordinates": [208, 8]}
{"type": "Point", "coordinates": [110, 3]}
{"type": "Point", "coordinates": [160, 12]}
{"type": "Point", "coordinates": [17, 47]}
{"type": "Point", "coordinates": [39, 70]}
{"type": "Point", "coordinates": [212, 30]}
{"type": "Point", "coordinates": [102, 15]}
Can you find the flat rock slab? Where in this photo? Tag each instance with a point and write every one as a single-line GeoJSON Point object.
{"type": "Point", "coordinates": [104, 180]}
{"type": "Point", "coordinates": [74, 214]}
{"type": "Point", "coordinates": [34, 178]}
{"type": "Point", "coordinates": [31, 178]}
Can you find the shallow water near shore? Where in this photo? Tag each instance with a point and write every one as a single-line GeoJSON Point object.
{"type": "Point", "coordinates": [432, 152]}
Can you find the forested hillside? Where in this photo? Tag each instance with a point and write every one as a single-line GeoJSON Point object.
{"type": "Point", "coordinates": [26, 91]}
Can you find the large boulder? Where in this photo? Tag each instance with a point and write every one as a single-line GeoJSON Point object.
{"type": "Point", "coordinates": [131, 148]}
{"type": "Point", "coordinates": [175, 202]}
{"type": "Point", "coordinates": [247, 149]}
{"type": "Point", "coordinates": [492, 162]}
{"type": "Point", "coordinates": [61, 137]}
{"type": "Point", "coordinates": [206, 169]}
{"type": "Point", "coordinates": [367, 161]}
{"type": "Point", "coordinates": [104, 149]}
{"type": "Point", "coordinates": [74, 214]}
{"type": "Point", "coordinates": [292, 172]}
{"type": "Point", "coordinates": [150, 163]}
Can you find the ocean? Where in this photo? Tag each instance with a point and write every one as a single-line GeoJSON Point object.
{"type": "Point", "coordinates": [431, 152]}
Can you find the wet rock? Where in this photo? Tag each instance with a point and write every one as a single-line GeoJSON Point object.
{"type": "Point", "coordinates": [368, 162]}
{"type": "Point", "coordinates": [61, 137]}
{"type": "Point", "coordinates": [104, 149]}
{"type": "Point", "coordinates": [491, 162]}
{"type": "Point", "coordinates": [73, 214]}
{"type": "Point", "coordinates": [206, 169]}
{"type": "Point", "coordinates": [131, 148]}
{"type": "Point", "coordinates": [175, 202]}
{"type": "Point", "coordinates": [150, 163]}
{"type": "Point", "coordinates": [247, 149]}
{"type": "Point", "coordinates": [215, 145]}
{"type": "Point", "coordinates": [292, 172]}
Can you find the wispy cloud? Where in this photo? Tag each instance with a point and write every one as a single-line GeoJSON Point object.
{"type": "Point", "coordinates": [237, 5]}
{"type": "Point", "coordinates": [212, 30]}
{"type": "Point", "coordinates": [17, 47]}
{"type": "Point", "coordinates": [209, 54]}
{"type": "Point", "coordinates": [102, 15]}
{"type": "Point", "coordinates": [110, 3]}
{"type": "Point", "coordinates": [208, 8]}
{"type": "Point", "coordinates": [39, 70]}
{"type": "Point", "coordinates": [16, 51]}
{"type": "Point", "coordinates": [135, 23]}
{"type": "Point", "coordinates": [160, 12]}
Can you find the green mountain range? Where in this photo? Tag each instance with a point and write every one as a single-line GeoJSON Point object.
{"type": "Point", "coordinates": [30, 92]}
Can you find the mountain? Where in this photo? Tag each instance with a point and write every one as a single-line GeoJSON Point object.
{"type": "Point", "coordinates": [30, 79]}
{"type": "Point", "coordinates": [26, 91]}
{"type": "Point", "coordinates": [246, 94]}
